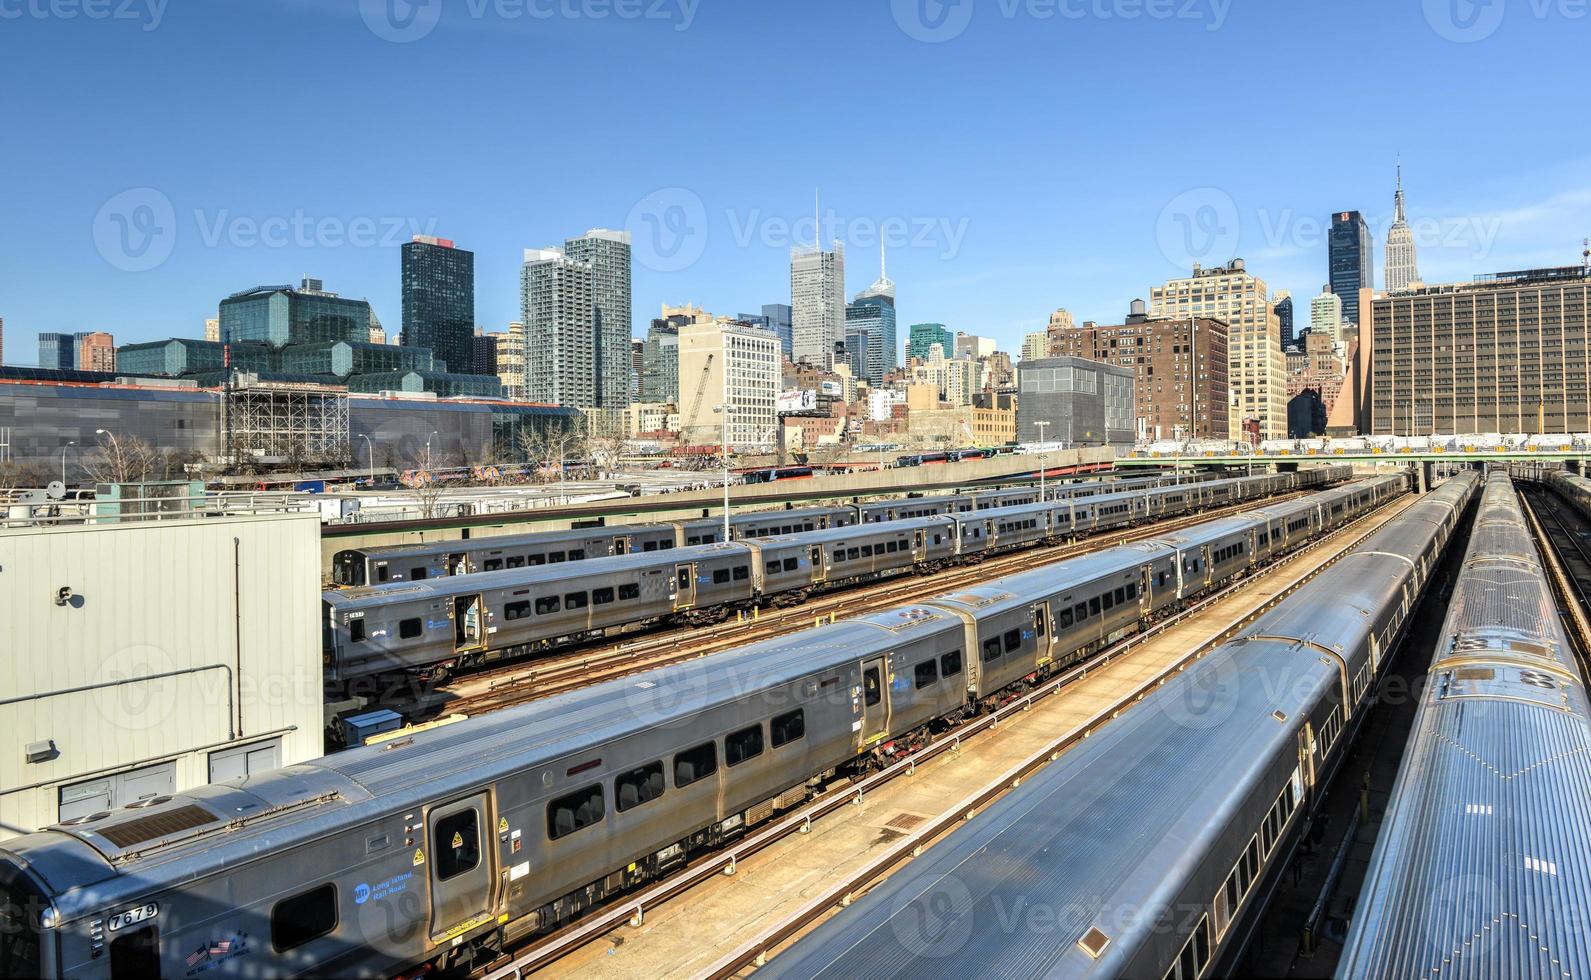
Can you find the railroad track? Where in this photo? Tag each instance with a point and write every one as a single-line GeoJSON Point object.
{"type": "Point", "coordinates": [525, 682]}
{"type": "Point", "coordinates": [633, 909]}
{"type": "Point", "coordinates": [1566, 532]}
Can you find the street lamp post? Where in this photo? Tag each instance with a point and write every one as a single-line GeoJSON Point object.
{"type": "Point", "coordinates": [63, 462]}
{"type": "Point", "coordinates": [723, 449]}
{"type": "Point", "coordinates": [370, 459]}
{"type": "Point", "coordinates": [1044, 454]}
{"type": "Point", "coordinates": [117, 470]}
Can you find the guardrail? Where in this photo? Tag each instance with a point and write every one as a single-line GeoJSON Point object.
{"type": "Point", "coordinates": [29, 509]}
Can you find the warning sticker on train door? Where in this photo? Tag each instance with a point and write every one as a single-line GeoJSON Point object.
{"type": "Point", "coordinates": [458, 840]}
{"type": "Point", "coordinates": [419, 858]}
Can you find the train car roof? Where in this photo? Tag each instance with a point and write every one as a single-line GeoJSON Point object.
{"type": "Point", "coordinates": [1143, 783]}
{"type": "Point", "coordinates": [831, 534]}
{"type": "Point", "coordinates": [505, 540]}
{"type": "Point", "coordinates": [758, 515]}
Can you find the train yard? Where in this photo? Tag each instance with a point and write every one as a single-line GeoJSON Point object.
{"type": "Point", "coordinates": [1178, 731]}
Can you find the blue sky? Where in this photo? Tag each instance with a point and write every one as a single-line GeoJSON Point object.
{"type": "Point", "coordinates": [1020, 154]}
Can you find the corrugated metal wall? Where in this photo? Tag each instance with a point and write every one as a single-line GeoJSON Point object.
{"type": "Point", "coordinates": [181, 638]}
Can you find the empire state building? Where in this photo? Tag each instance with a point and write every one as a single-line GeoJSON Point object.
{"type": "Point", "coordinates": [1403, 271]}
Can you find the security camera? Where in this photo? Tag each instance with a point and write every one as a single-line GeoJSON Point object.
{"type": "Point", "coordinates": [63, 595]}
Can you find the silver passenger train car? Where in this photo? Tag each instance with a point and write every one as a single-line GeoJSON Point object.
{"type": "Point", "coordinates": [1145, 851]}
{"type": "Point", "coordinates": [434, 626]}
{"type": "Point", "coordinates": [442, 846]}
{"type": "Point", "coordinates": [1483, 864]}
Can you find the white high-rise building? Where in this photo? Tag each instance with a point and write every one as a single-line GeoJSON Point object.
{"type": "Point", "coordinates": [1256, 369]}
{"type": "Point", "coordinates": [511, 360]}
{"type": "Point", "coordinates": [1403, 269]}
{"type": "Point", "coordinates": [1035, 345]}
{"type": "Point", "coordinates": [817, 304]}
{"type": "Point", "coordinates": [560, 341]}
{"type": "Point", "coordinates": [1325, 314]}
{"type": "Point", "coordinates": [729, 363]}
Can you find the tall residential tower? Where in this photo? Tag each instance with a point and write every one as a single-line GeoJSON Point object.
{"type": "Point", "coordinates": [608, 254]}
{"type": "Point", "coordinates": [438, 301]}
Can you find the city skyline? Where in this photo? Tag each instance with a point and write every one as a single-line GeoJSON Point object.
{"type": "Point", "coordinates": [985, 256]}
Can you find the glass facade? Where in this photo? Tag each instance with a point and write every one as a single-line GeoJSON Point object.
{"type": "Point", "coordinates": [439, 302]}
{"type": "Point", "coordinates": [1352, 260]}
{"type": "Point", "coordinates": [343, 359]}
{"type": "Point", "coordinates": [925, 335]}
{"type": "Point", "coordinates": [280, 315]}
{"type": "Point", "coordinates": [873, 316]}
{"type": "Point", "coordinates": [444, 385]}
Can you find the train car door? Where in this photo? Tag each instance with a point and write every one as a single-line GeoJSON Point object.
{"type": "Point", "coordinates": [621, 545]}
{"type": "Point", "coordinates": [820, 564]}
{"type": "Point", "coordinates": [1306, 754]}
{"type": "Point", "coordinates": [685, 586]}
{"type": "Point", "coordinates": [919, 544]}
{"type": "Point", "coordinates": [458, 564]}
{"type": "Point", "coordinates": [469, 623]}
{"type": "Point", "coordinates": [459, 866]}
{"type": "Point", "coordinates": [875, 703]}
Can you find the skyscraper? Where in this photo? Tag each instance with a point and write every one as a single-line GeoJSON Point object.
{"type": "Point", "coordinates": [1351, 258]}
{"type": "Point", "coordinates": [817, 304]}
{"type": "Point", "coordinates": [439, 301]}
{"type": "Point", "coordinates": [560, 345]}
{"type": "Point", "coordinates": [1403, 269]}
{"type": "Point", "coordinates": [872, 314]}
{"type": "Point", "coordinates": [1325, 314]}
{"type": "Point", "coordinates": [1256, 370]}
{"type": "Point", "coordinates": [608, 254]}
{"type": "Point", "coordinates": [96, 352]}
{"type": "Point", "coordinates": [59, 350]}
{"type": "Point", "coordinates": [925, 335]}
{"type": "Point", "coordinates": [1283, 305]}
{"type": "Point", "coordinates": [778, 315]}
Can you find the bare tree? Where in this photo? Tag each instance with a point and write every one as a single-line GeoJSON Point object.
{"type": "Point", "coordinates": [606, 452]}
{"type": "Point", "coordinates": [129, 460]}
{"type": "Point", "coordinates": [14, 475]}
{"type": "Point", "coordinates": [427, 489]}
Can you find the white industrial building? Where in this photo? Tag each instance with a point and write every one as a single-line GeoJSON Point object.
{"type": "Point", "coordinates": [147, 657]}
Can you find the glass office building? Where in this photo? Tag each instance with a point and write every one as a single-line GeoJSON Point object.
{"type": "Point", "coordinates": [282, 315]}
{"type": "Point", "coordinates": [439, 300]}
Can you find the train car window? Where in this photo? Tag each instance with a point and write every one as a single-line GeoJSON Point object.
{"type": "Point", "coordinates": [1093, 606]}
{"type": "Point", "coordinates": [409, 629]}
{"type": "Point", "coordinates": [1013, 640]}
{"type": "Point", "coordinates": [602, 596]}
{"type": "Point", "coordinates": [519, 561]}
{"type": "Point", "coordinates": [555, 557]}
{"type": "Point", "coordinates": [742, 745]}
{"type": "Point", "coordinates": [991, 650]}
{"type": "Point", "coordinates": [579, 554]}
{"type": "Point", "coordinates": [1132, 590]}
{"type": "Point", "coordinates": [927, 673]}
{"type": "Point", "coordinates": [1064, 619]}
{"type": "Point", "coordinates": [791, 564]}
{"type": "Point", "coordinates": [950, 663]}
{"type": "Point", "coordinates": [665, 545]}
{"type": "Point", "coordinates": [578, 810]}
{"type": "Point", "coordinates": [546, 604]}
{"type": "Point", "coordinates": [867, 551]}
{"type": "Point", "coordinates": [294, 921]}
{"type": "Point", "coordinates": [1039, 624]}
{"type": "Point", "coordinates": [1121, 596]}
{"type": "Point", "coordinates": [575, 600]}
{"type": "Point", "coordinates": [383, 573]}
{"type": "Point", "coordinates": [720, 576]}
{"type": "Point", "coordinates": [839, 554]}
{"type": "Point", "coordinates": [742, 572]}
{"type": "Point", "coordinates": [872, 692]}
{"type": "Point", "coordinates": [693, 539]}
{"type": "Point", "coordinates": [638, 786]}
{"type": "Point", "coordinates": [773, 567]}
{"type": "Point", "coordinates": [1108, 600]}
{"type": "Point", "coordinates": [492, 565]}
{"type": "Point", "coordinates": [417, 575]}
{"type": "Point", "coordinates": [852, 554]}
{"type": "Point", "coordinates": [788, 727]}
{"type": "Point", "coordinates": [356, 630]}
{"type": "Point", "coordinates": [648, 546]}
{"type": "Point", "coordinates": [456, 844]}
{"type": "Point", "coordinates": [684, 578]}
{"type": "Point", "coordinates": [629, 591]}
{"type": "Point", "coordinates": [694, 764]}
{"type": "Point", "coordinates": [1080, 612]}
{"type": "Point", "coordinates": [516, 610]}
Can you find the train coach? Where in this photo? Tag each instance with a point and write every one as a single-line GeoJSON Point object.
{"type": "Point", "coordinates": [1484, 855]}
{"type": "Point", "coordinates": [434, 626]}
{"type": "Point", "coordinates": [442, 847]}
{"type": "Point", "coordinates": [1573, 488]}
{"type": "Point", "coordinates": [1151, 845]}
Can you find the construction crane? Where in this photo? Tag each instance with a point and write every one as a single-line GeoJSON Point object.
{"type": "Point", "coordinates": [701, 389]}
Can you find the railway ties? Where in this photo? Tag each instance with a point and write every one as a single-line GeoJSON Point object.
{"type": "Point", "coordinates": [796, 879]}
